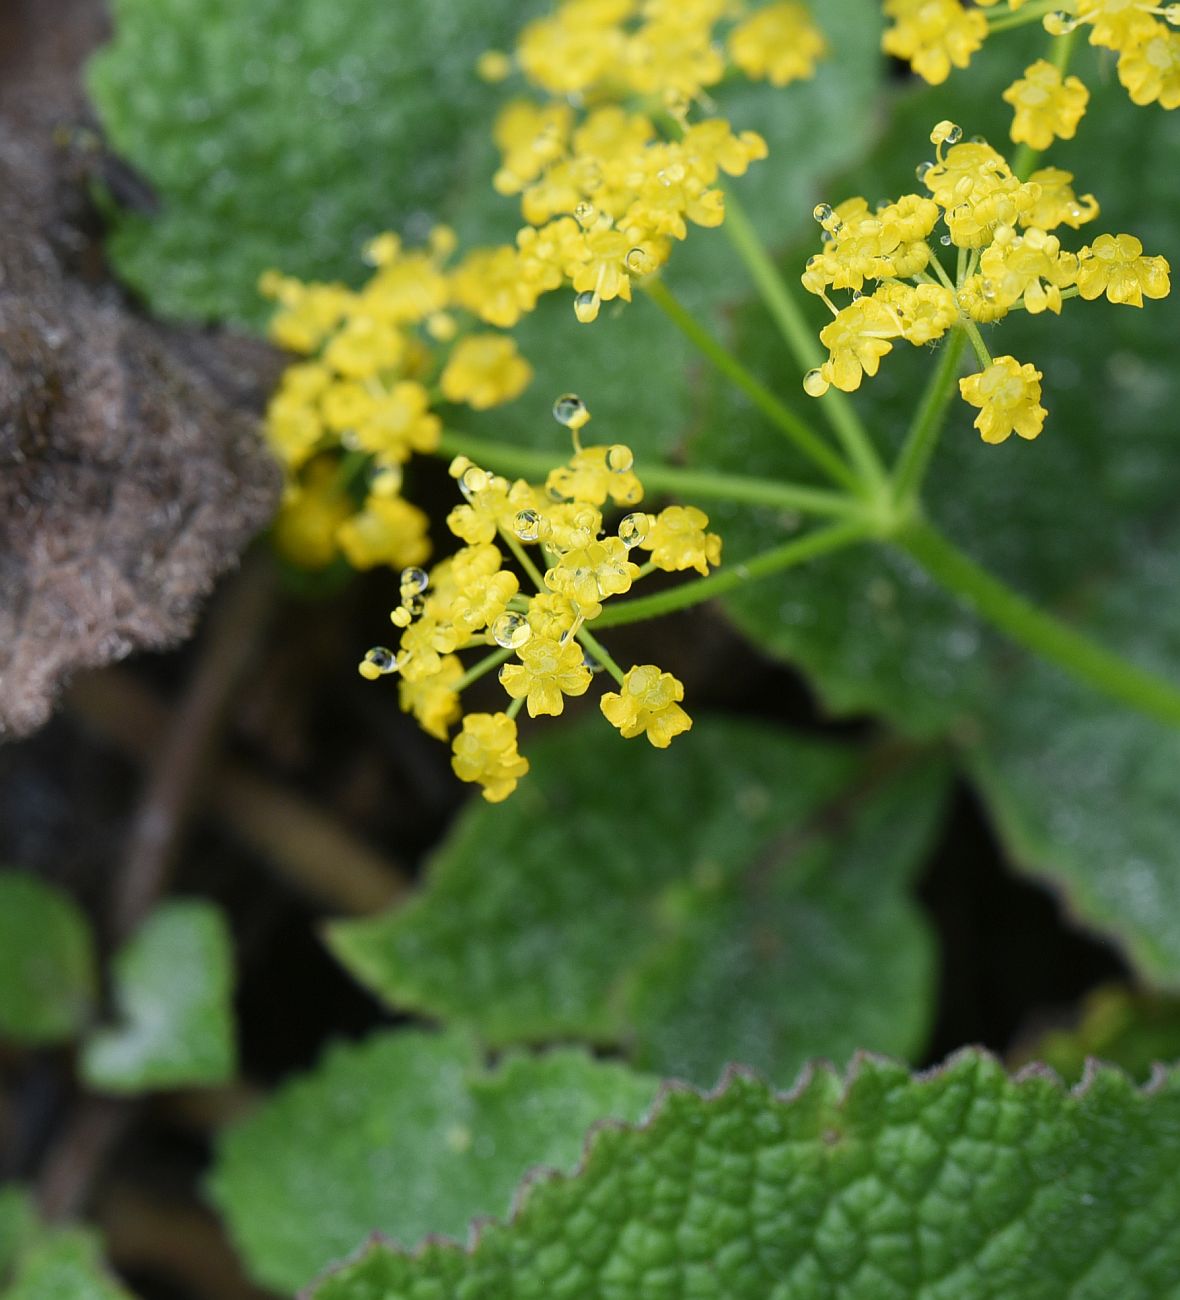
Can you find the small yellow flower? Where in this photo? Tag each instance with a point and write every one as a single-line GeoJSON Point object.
{"type": "Point", "coordinates": [1118, 24]}
{"type": "Point", "coordinates": [485, 751]}
{"type": "Point", "coordinates": [1114, 265]}
{"type": "Point", "coordinates": [485, 370]}
{"type": "Point", "coordinates": [933, 35]}
{"type": "Point", "coordinates": [1150, 69]}
{"type": "Point", "coordinates": [389, 530]}
{"type": "Point", "coordinates": [1047, 106]}
{"type": "Point", "coordinates": [491, 283]}
{"type": "Point", "coordinates": [398, 422]}
{"type": "Point", "coordinates": [677, 540]}
{"type": "Point", "coordinates": [1008, 395]}
{"type": "Point", "coordinates": [595, 474]}
{"type": "Point", "coordinates": [548, 671]}
{"type": "Point", "coordinates": [779, 43]}
{"type": "Point", "coordinates": [432, 700]}
{"type": "Point", "coordinates": [311, 512]}
{"type": "Point", "coordinates": [647, 703]}
{"type": "Point", "coordinates": [1057, 204]}
{"type": "Point", "coordinates": [364, 346]}
{"type": "Point", "coordinates": [590, 574]}
{"type": "Point", "coordinates": [857, 340]}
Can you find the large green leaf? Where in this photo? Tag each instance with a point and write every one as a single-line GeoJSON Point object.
{"type": "Point", "coordinates": [958, 1185]}
{"type": "Point", "coordinates": [405, 1134]}
{"type": "Point", "coordinates": [1082, 521]}
{"type": "Point", "coordinates": [173, 985]}
{"type": "Point", "coordinates": [47, 973]}
{"type": "Point", "coordinates": [743, 898]}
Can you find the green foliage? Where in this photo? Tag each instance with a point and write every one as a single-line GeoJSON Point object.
{"type": "Point", "coordinates": [958, 1185]}
{"type": "Point", "coordinates": [1081, 521]}
{"type": "Point", "coordinates": [405, 1134]}
{"type": "Point", "coordinates": [47, 975]}
{"type": "Point", "coordinates": [40, 1263]}
{"type": "Point", "coordinates": [1135, 1031]}
{"type": "Point", "coordinates": [285, 132]}
{"type": "Point", "coordinates": [756, 904]}
{"type": "Point", "coordinates": [172, 986]}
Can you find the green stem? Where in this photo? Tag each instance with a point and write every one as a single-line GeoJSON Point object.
{"type": "Point", "coordinates": [599, 651]}
{"type": "Point", "coordinates": [523, 559]}
{"type": "Point", "coordinates": [1003, 22]}
{"type": "Point", "coordinates": [485, 666]}
{"type": "Point", "coordinates": [970, 328]}
{"type": "Point", "coordinates": [819, 542]}
{"type": "Point", "coordinates": [800, 338]}
{"type": "Point", "coordinates": [928, 421]}
{"type": "Point", "coordinates": [700, 484]}
{"type": "Point", "coordinates": [515, 707]}
{"type": "Point", "coordinates": [782, 417]}
{"type": "Point", "coordinates": [1030, 627]}
{"type": "Point", "coordinates": [1061, 51]}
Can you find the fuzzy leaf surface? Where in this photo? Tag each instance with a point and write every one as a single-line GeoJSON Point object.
{"type": "Point", "coordinates": [755, 895]}
{"type": "Point", "coordinates": [405, 1134]}
{"type": "Point", "coordinates": [47, 970]}
{"type": "Point", "coordinates": [1082, 521]}
{"type": "Point", "coordinates": [959, 1185]}
{"type": "Point", "coordinates": [173, 985]}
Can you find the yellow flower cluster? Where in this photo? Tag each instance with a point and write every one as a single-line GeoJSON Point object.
{"type": "Point", "coordinates": [606, 186]}
{"type": "Point", "coordinates": [473, 600]}
{"type": "Point", "coordinates": [1009, 259]}
{"type": "Point", "coordinates": [378, 359]}
{"type": "Point", "coordinates": [934, 36]}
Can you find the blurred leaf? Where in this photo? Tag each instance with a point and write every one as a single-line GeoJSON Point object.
{"type": "Point", "coordinates": [47, 973]}
{"type": "Point", "coordinates": [41, 1263]}
{"type": "Point", "coordinates": [66, 1265]}
{"type": "Point", "coordinates": [743, 899]}
{"type": "Point", "coordinates": [1132, 1030]}
{"type": "Point", "coordinates": [173, 990]}
{"type": "Point", "coordinates": [1082, 521]}
{"type": "Point", "coordinates": [405, 1134]}
{"type": "Point", "coordinates": [961, 1183]}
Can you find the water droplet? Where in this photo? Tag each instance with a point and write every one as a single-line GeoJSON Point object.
{"type": "Point", "coordinates": [385, 480]}
{"type": "Point", "coordinates": [989, 290]}
{"type": "Point", "coordinates": [945, 241]}
{"type": "Point", "coordinates": [570, 410]}
{"type": "Point", "coordinates": [857, 295]}
{"type": "Point", "coordinates": [814, 383]}
{"type": "Point", "coordinates": [413, 581]}
{"type": "Point", "coordinates": [954, 135]}
{"type": "Point", "coordinates": [586, 307]}
{"type": "Point", "coordinates": [527, 525]}
{"type": "Point", "coordinates": [511, 630]}
{"type": "Point", "coordinates": [350, 440]}
{"type": "Point", "coordinates": [585, 214]}
{"type": "Point", "coordinates": [822, 212]}
{"type": "Point", "coordinates": [639, 262]}
{"type": "Point", "coordinates": [473, 481]}
{"type": "Point", "coordinates": [633, 529]}
{"type": "Point", "coordinates": [922, 169]}
{"type": "Point", "coordinates": [380, 661]}
{"type": "Point", "coordinates": [619, 458]}
{"type": "Point", "coordinates": [1172, 14]}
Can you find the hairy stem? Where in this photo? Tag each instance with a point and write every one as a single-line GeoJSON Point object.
{"type": "Point", "coordinates": [800, 339]}
{"type": "Point", "coordinates": [704, 484]}
{"type": "Point", "coordinates": [928, 422]}
{"type": "Point", "coordinates": [1037, 631]}
{"type": "Point", "coordinates": [797, 430]}
{"type": "Point", "coordinates": [820, 541]}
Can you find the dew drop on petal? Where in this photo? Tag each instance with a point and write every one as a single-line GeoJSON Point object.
{"type": "Point", "coordinates": [633, 529]}
{"type": "Point", "coordinates": [511, 630]}
{"type": "Point", "coordinates": [570, 410]}
{"type": "Point", "coordinates": [814, 383]}
{"type": "Point", "coordinates": [619, 458]}
{"type": "Point", "coordinates": [380, 661]}
{"type": "Point", "coordinates": [586, 306]}
{"type": "Point", "coordinates": [527, 525]}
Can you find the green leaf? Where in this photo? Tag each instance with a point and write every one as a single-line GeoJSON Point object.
{"type": "Point", "coordinates": [1082, 521]}
{"type": "Point", "coordinates": [173, 991]}
{"type": "Point", "coordinates": [1132, 1030]}
{"type": "Point", "coordinates": [405, 1134]}
{"type": "Point", "coordinates": [753, 885]}
{"type": "Point", "coordinates": [286, 132]}
{"type": "Point", "coordinates": [47, 971]}
{"type": "Point", "coordinates": [958, 1185]}
{"type": "Point", "coordinates": [65, 1265]}
{"type": "Point", "coordinates": [18, 1228]}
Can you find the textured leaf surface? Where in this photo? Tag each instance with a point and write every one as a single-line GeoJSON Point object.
{"type": "Point", "coordinates": [47, 975]}
{"type": "Point", "coordinates": [1135, 1031]}
{"type": "Point", "coordinates": [1082, 520]}
{"type": "Point", "coordinates": [741, 898]}
{"type": "Point", "coordinates": [405, 1134]}
{"type": "Point", "coordinates": [961, 1185]}
{"type": "Point", "coordinates": [173, 986]}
